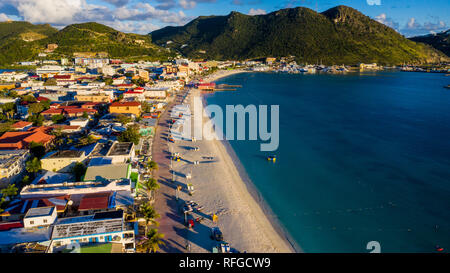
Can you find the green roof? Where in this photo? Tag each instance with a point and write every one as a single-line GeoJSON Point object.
{"type": "Point", "coordinates": [96, 248]}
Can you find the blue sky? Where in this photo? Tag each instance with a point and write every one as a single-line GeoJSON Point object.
{"type": "Point", "coordinates": [409, 17]}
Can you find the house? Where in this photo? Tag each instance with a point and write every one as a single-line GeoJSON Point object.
{"type": "Point", "coordinates": [82, 122]}
{"type": "Point", "coordinates": [38, 217]}
{"type": "Point", "coordinates": [12, 165]}
{"type": "Point", "coordinates": [21, 125]}
{"type": "Point", "coordinates": [108, 172]}
{"type": "Point", "coordinates": [100, 97]}
{"type": "Point", "coordinates": [134, 94]}
{"type": "Point", "coordinates": [19, 207]}
{"type": "Point", "coordinates": [21, 140]}
{"type": "Point", "coordinates": [131, 107]}
{"type": "Point", "coordinates": [67, 111]}
{"type": "Point", "coordinates": [62, 160]}
{"type": "Point", "coordinates": [102, 227]}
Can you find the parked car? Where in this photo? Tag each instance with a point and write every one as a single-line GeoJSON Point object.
{"type": "Point", "coordinates": [216, 234]}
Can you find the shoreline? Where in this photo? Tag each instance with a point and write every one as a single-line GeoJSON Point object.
{"type": "Point", "coordinates": [251, 189]}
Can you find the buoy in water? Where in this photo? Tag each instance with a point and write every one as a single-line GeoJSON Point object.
{"type": "Point", "coordinates": [272, 158]}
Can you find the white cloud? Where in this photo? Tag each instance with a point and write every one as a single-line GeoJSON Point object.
{"type": "Point", "coordinates": [382, 18]}
{"type": "Point", "coordinates": [373, 2]}
{"type": "Point", "coordinates": [3, 17]}
{"type": "Point", "coordinates": [413, 27]}
{"type": "Point", "coordinates": [186, 4]}
{"type": "Point", "coordinates": [140, 17]}
{"type": "Point", "coordinates": [256, 11]}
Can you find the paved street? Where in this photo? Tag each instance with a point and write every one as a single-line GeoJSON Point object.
{"type": "Point", "coordinates": [171, 221]}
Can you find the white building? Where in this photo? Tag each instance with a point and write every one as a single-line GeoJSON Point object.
{"type": "Point", "coordinates": [38, 217]}
{"type": "Point", "coordinates": [102, 227]}
{"type": "Point", "coordinates": [49, 69]}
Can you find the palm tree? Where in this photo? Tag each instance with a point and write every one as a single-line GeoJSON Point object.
{"type": "Point", "coordinates": [150, 215]}
{"type": "Point", "coordinates": [149, 187]}
{"type": "Point", "coordinates": [152, 241]}
{"type": "Point", "coordinates": [152, 165]}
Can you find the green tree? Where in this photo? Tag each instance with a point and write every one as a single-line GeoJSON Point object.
{"type": "Point", "coordinates": [124, 119]}
{"type": "Point", "coordinates": [150, 186]}
{"type": "Point", "coordinates": [37, 149]}
{"type": "Point", "coordinates": [85, 140]}
{"type": "Point", "coordinates": [58, 118]}
{"type": "Point", "coordinates": [33, 165]}
{"type": "Point", "coordinates": [35, 108]}
{"type": "Point", "coordinates": [9, 191]}
{"type": "Point", "coordinates": [150, 215]}
{"type": "Point", "coordinates": [131, 134]}
{"type": "Point", "coordinates": [85, 115]}
{"type": "Point", "coordinates": [79, 170]}
{"type": "Point", "coordinates": [37, 120]}
{"type": "Point", "coordinates": [151, 242]}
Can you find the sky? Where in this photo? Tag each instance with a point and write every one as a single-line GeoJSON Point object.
{"type": "Point", "coordinates": [408, 17]}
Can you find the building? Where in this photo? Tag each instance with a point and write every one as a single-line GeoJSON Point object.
{"type": "Point", "coordinates": [82, 122]}
{"type": "Point", "coordinates": [19, 207]}
{"type": "Point", "coordinates": [62, 160]}
{"type": "Point", "coordinates": [21, 140]}
{"type": "Point", "coordinates": [103, 227]}
{"type": "Point", "coordinates": [12, 165]}
{"type": "Point", "coordinates": [49, 70]}
{"type": "Point", "coordinates": [97, 202]}
{"type": "Point", "coordinates": [22, 125]}
{"type": "Point", "coordinates": [108, 172]}
{"type": "Point", "coordinates": [132, 107]}
{"type": "Point", "coordinates": [39, 217]}
{"type": "Point", "coordinates": [100, 97]}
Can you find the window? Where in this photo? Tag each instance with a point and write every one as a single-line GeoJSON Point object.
{"type": "Point", "coordinates": [45, 221]}
{"type": "Point", "coordinates": [31, 222]}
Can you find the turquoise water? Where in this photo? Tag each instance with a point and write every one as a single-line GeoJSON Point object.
{"type": "Point", "coordinates": [362, 157]}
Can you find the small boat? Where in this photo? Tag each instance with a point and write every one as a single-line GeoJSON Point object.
{"type": "Point", "coordinates": [448, 86]}
{"type": "Point", "coordinates": [272, 158]}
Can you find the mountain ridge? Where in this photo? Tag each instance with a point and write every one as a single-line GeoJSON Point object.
{"type": "Point", "coordinates": [23, 41]}
{"type": "Point", "coordinates": [440, 41]}
{"type": "Point", "coordinates": [338, 35]}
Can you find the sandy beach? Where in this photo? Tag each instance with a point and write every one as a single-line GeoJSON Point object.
{"type": "Point", "coordinates": [220, 189]}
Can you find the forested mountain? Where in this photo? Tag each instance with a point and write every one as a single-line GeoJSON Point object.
{"type": "Point", "coordinates": [338, 35]}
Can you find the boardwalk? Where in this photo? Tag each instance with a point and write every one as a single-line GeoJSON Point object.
{"type": "Point", "coordinates": [171, 221]}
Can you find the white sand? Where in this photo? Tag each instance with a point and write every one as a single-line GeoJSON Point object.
{"type": "Point", "coordinates": [220, 189]}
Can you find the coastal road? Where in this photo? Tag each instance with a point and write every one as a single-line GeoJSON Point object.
{"type": "Point", "coordinates": [171, 221]}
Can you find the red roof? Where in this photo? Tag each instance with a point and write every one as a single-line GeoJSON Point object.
{"type": "Point", "coordinates": [62, 77]}
{"type": "Point", "coordinates": [42, 99]}
{"type": "Point", "coordinates": [126, 103]}
{"type": "Point", "coordinates": [10, 225]}
{"type": "Point", "coordinates": [94, 201]}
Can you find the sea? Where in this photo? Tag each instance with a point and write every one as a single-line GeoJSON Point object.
{"type": "Point", "coordinates": [363, 158]}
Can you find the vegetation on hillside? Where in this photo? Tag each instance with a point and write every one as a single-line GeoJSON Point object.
{"type": "Point", "coordinates": [440, 41]}
{"type": "Point", "coordinates": [338, 35]}
{"type": "Point", "coordinates": [23, 41]}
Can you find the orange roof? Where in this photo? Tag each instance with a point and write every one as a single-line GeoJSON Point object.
{"type": "Point", "coordinates": [21, 124]}
{"type": "Point", "coordinates": [23, 139]}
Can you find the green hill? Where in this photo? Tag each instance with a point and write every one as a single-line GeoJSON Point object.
{"type": "Point", "coordinates": [338, 35]}
{"type": "Point", "coordinates": [18, 40]}
{"type": "Point", "coordinates": [22, 41]}
{"type": "Point", "coordinates": [440, 41]}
